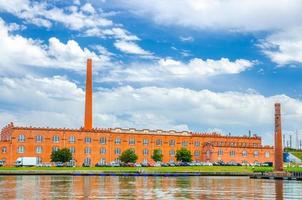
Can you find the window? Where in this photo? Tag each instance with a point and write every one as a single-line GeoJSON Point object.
{"type": "Point", "coordinates": [267, 154]}
{"type": "Point", "coordinates": [102, 140]}
{"type": "Point", "coordinates": [103, 161]}
{"type": "Point", "coordinates": [220, 152]}
{"type": "Point", "coordinates": [55, 138]}
{"type": "Point", "coordinates": [145, 142]}
{"type": "Point", "coordinates": [172, 142]}
{"type": "Point", "coordinates": [158, 142]}
{"type": "Point", "coordinates": [21, 138]}
{"type": "Point", "coordinates": [102, 150]}
{"type": "Point", "coordinates": [117, 141]}
{"type": "Point", "coordinates": [87, 161]}
{"type": "Point", "coordinates": [21, 149]}
{"type": "Point", "coordinates": [4, 150]}
{"type": "Point", "coordinates": [87, 150]}
{"type": "Point", "coordinates": [131, 141]}
{"type": "Point", "coordinates": [196, 153]}
{"type": "Point", "coordinates": [145, 151]}
{"type": "Point", "coordinates": [256, 153]}
{"type": "Point", "coordinates": [171, 152]}
{"type": "Point", "coordinates": [87, 139]}
{"type": "Point", "coordinates": [197, 143]}
{"type": "Point", "coordinates": [39, 138]}
{"type": "Point", "coordinates": [55, 148]}
{"type": "Point", "coordinates": [71, 139]}
{"type": "Point", "coordinates": [244, 144]}
{"type": "Point", "coordinates": [184, 143]}
{"type": "Point", "coordinates": [208, 154]}
{"type": "Point", "coordinates": [117, 151]}
{"type": "Point", "coordinates": [38, 149]}
{"type": "Point", "coordinates": [72, 149]}
{"type": "Point", "coordinates": [244, 153]}
{"type": "Point", "coordinates": [232, 153]}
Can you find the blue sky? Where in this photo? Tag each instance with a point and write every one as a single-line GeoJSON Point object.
{"type": "Point", "coordinates": [186, 65]}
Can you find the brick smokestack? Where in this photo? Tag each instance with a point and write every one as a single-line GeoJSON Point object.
{"type": "Point", "coordinates": [278, 164]}
{"type": "Point", "coordinates": [88, 98]}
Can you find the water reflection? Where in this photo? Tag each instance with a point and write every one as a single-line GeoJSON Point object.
{"type": "Point", "coordinates": [98, 187]}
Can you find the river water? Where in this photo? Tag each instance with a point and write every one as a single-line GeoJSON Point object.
{"type": "Point", "coordinates": [113, 187]}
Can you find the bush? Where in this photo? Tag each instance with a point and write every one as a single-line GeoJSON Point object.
{"type": "Point", "coordinates": [128, 156]}
{"type": "Point", "coordinates": [157, 155]}
{"type": "Point", "coordinates": [61, 155]}
{"type": "Point", "coordinates": [183, 155]}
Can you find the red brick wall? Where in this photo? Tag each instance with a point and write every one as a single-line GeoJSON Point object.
{"type": "Point", "coordinates": [215, 142]}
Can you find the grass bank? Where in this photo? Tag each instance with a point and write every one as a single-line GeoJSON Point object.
{"type": "Point", "coordinates": [182, 169]}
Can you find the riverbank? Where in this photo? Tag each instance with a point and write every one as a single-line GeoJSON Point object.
{"type": "Point", "coordinates": [140, 171]}
{"type": "Point", "coordinates": [131, 171]}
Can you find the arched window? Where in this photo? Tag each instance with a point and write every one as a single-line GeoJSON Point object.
{"type": "Point", "coordinates": [4, 149]}
{"type": "Point", "coordinates": [132, 141]}
{"type": "Point", "coordinates": [39, 138]}
{"type": "Point", "coordinates": [267, 154]}
{"type": "Point", "coordinates": [196, 153]}
{"type": "Point", "coordinates": [172, 152]}
{"type": "Point", "coordinates": [158, 142]}
{"type": "Point", "coordinates": [38, 149]}
{"type": "Point", "coordinates": [197, 143]}
{"type": "Point", "coordinates": [87, 150]}
{"type": "Point", "coordinates": [21, 149]}
{"type": "Point", "coordinates": [71, 139]}
{"type": "Point", "coordinates": [244, 153]}
{"type": "Point", "coordinates": [117, 151]}
{"type": "Point", "coordinates": [172, 142]}
{"type": "Point", "coordinates": [118, 141]}
{"type": "Point", "coordinates": [220, 152]}
{"type": "Point", "coordinates": [55, 148]}
{"type": "Point", "coordinates": [55, 138]}
{"type": "Point", "coordinates": [103, 150]}
{"type": "Point", "coordinates": [208, 154]}
{"type": "Point", "coordinates": [256, 153]}
{"type": "Point", "coordinates": [72, 149]}
{"type": "Point", "coordinates": [145, 151]}
{"type": "Point", "coordinates": [87, 139]}
{"type": "Point", "coordinates": [102, 140]}
{"type": "Point", "coordinates": [87, 161]}
{"type": "Point", "coordinates": [145, 142]}
{"type": "Point", "coordinates": [232, 153]}
{"type": "Point", "coordinates": [21, 138]}
{"type": "Point", "coordinates": [184, 143]}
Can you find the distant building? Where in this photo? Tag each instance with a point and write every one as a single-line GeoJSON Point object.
{"type": "Point", "coordinates": [94, 145]}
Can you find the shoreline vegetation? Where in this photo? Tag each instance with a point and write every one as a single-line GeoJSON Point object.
{"type": "Point", "coordinates": [156, 170]}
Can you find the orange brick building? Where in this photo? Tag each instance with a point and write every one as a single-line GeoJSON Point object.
{"type": "Point", "coordinates": [94, 145]}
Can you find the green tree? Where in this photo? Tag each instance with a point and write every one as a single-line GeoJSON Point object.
{"type": "Point", "coordinates": [61, 155]}
{"type": "Point", "coordinates": [128, 156]}
{"type": "Point", "coordinates": [157, 155]}
{"type": "Point", "coordinates": [183, 155]}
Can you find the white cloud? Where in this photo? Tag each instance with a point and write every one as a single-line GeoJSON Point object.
{"type": "Point", "coordinates": [62, 101]}
{"type": "Point", "coordinates": [169, 69]}
{"type": "Point", "coordinates": [248, 15]}
{"type": "Point", "coordinates": [17, 53]}
{"type": "Point", "coordinates": [186, 38]}
{"type": "Point", "coordinates": [284, 47]}
{"type": "Point", "coordinates": [131, 48]}
{"type": "Point", "coordinates": [43, 14]}
{"type": "Point", "coordinates": [88, 8]}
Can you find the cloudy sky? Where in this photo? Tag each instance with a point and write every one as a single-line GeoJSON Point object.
{"type": "Point", "coordinates": [200, 65]}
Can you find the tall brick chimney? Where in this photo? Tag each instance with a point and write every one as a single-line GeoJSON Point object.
{"type": "Point", "coordinates": [278, 164]}
{"type": "Point", "coordinates": [88, 98]}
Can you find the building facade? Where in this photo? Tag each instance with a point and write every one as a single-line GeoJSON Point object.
{"type": "Point", "coordinates": [93, 145]}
